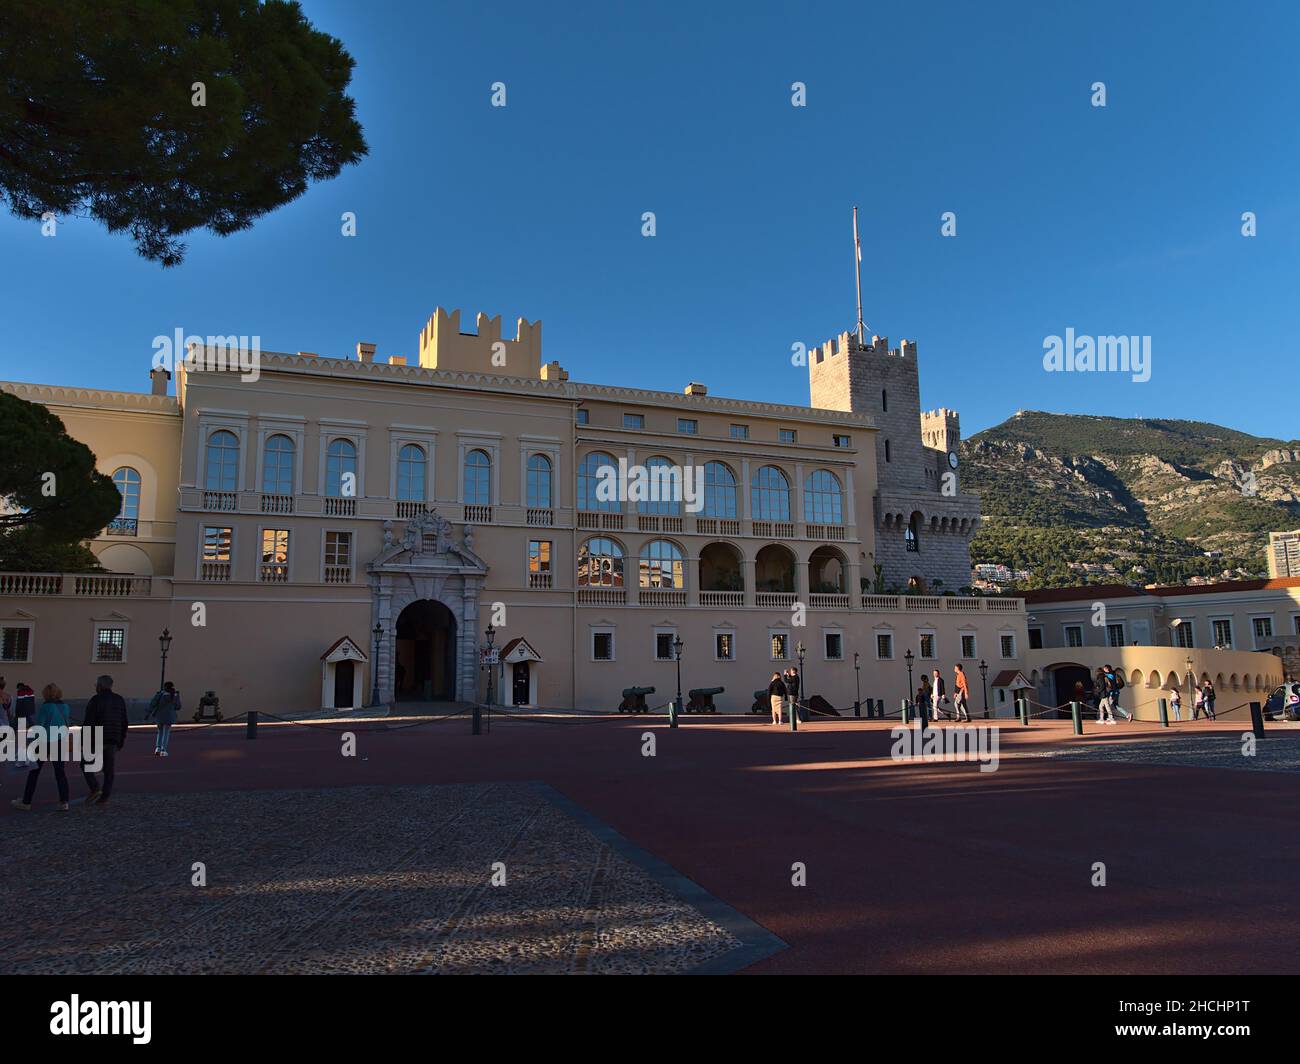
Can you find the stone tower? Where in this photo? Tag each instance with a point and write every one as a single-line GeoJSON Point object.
{"type": "Point", "coordinates": [923, 523]}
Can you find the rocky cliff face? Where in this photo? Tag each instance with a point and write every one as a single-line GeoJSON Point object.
{"type": "Point", "coordinates": [1147, 498]}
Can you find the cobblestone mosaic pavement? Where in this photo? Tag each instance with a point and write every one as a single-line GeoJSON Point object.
{"type": "Point", "coordinates": [349, 880]}
{"type": "Point", "coordinates": [1274, 753]}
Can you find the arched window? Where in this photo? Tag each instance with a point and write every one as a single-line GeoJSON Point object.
{"type": "Point", "coordinates": [821, 498]}
{"type": "Point", "coordinates": [771, 495]}
{"type": "Point", "coordinates": [600, 563]}
{"type": "Point", "coordinates": [665, 489]}
{"type": "Point", "coordinates": [539, 482]}
{"type": "Point", "coordinates": [719, 490]}
{"type": "Point", "coordinates": [478, 479]}
{"type": "Point", "coordinates": [912, 535]}
{"type": "Point", "coordinates": [589, 480]}
{"type": "Point", "coordinates": [340, 460]}
{"type": "Point", "coordinates": [128, 486]}
{"type": "Point", "coordinates": [222, 462]}
{"type": "Point", "coordinates": [662, 565]}
{"type": "Point", "coordinates": [277, 466]}
{"type": "Point", "coordinates": [412, 464]}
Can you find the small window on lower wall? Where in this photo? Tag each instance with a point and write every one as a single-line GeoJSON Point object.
{"type": "Point", "coordinates": [110, 643]}
{"type": "Point", "coordinates": [927, 646]}
{"type": "Point", "coordinates": [602, 644]}
{"type": "Point", "coordinates": [1008, 644]}
{"type": "Point", "coordinates": [968, 647]}
{"type": "Point", "coordinates": [885, 646]}
{"type": "Point", "coordinates": [16, 642]}
{"type": "Point", "coordinates": [780, 646]}
{"type": "Point", "coordinates": [1035, 639]}
{"type": "Point", "coordinates": [724, 646]}
{"type": "Point", "coordinates": [664, 645]}
{"type": "Point", "coordinates": [834, 642]}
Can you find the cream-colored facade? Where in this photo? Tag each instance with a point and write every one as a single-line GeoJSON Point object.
{"type": "Point", "coordinates": [270, 519]}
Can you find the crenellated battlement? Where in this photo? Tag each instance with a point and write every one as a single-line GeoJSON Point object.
{"type": "Point", "coordinates": [444, 346]}
{"type": "Point", "coordinates": [941, 429]}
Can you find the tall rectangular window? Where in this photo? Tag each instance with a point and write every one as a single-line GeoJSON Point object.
{"type": "Point", "coordinates": [834, 646]}
{"type": "Point", "coordinates": [582, 417]}
{"type": "Point", "coordinates": [1073, 635]}
{"type": "Point", "coordinates": [1008, 646]}
{"type": "Point", "coordinates": [1115, 635]}
{"type": "Point", "coordinates": [740, 432]}
{"type": "Point", "coordinates": [338, 557]}
{"type": "Point", "coordinates": [724, 646]}
{"type": "Point", "coordinates": [927, 645]}
{"type": "Point", "coordinates": [780, 646]}
{"type": "Point", "coordinates": [216, 544]}
{"type": "Point", "coordinates": [663, 646]}
{"type": "Point", "coordinates": [1223, 634]}
{"type": "Point", "coordinates": [884, 646]}
{"type": "Point", "coordinates": [539, 563]}
{"type": "Point", "coordinates": [1184, 636]}
{"type": "Point", "coordinates": [1263, 627]}
{"type": "Point", "coordinates": [602, 645]}
{"type": "Point", "coordinates": [110, 643]}
{"type": "Point", "coordinates": [968, 646]}
{"type": "Point", "coordinates": [1035, 639]}
{"type": "Point", "coordinates": [275, 555]}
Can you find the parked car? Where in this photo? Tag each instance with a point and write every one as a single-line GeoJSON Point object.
{"type": "Point", "coordinates": [1284, 702]}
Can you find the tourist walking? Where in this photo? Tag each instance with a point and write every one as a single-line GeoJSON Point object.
{"type": "Point", "coordinates": [960, 693]}
{"type": "Point", "coordinates": [1114, 685]}
{"type": "Point", "coordinates": [1101, 695]}
{"type": "Point", "coordinates": [24, 704]}
{"type": "Point", "coordinates": [6, 706]}
{"type": "Point", "coordinates": [1207, 699]}
{"type": "Point", "coordinates": [923, 697]}
{"type": "Point", "coordinates": [106, 711]}
{"type": "Point", "coordinates": [164, 707]}
{"type": "Point", "coordinates": [940, 696]}
{"type": "Point", "coordinates": [53, 718]}
{"type": "Point", "coordinates": [776, 695]}
{"type": "Point", "coordinates": [1176, 703]}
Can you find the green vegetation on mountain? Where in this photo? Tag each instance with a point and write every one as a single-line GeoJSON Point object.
{"type": "Point", "coordinates": [1140, 500]}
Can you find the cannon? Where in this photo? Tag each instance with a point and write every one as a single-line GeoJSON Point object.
{"type": "Point", "coordinates": [762, 702]}
{"type": "Point", "coordinates": [634, 700]}
{"type": "Point", "coordinates": [701, 699]}
{"type": "Point", "coordinates": [209, 708]}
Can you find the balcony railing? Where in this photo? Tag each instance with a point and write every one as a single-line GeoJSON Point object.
{"type": "Point", "coordinates": [275, 573]}
{"type": "Point", "coordinates": [335, 507]}
{"type": "Point", "coordinates": [338, 574]}
{"type": "Point", "coordinates": [722, 599]}
{"type": "Point", "coordinates": [122, 526]}
{"type": "Point", "coordinates": [599, 521]}
{"type": "Point", "coordinates": [82, 585]}
{"type": "Point", "coordinates": [827, 532]}
{"type": "Point", "coordinates": [783, 530]}
{"type": "Point", "coordinates": [661, 596]}
{"type": "Point", "coordinates": [774, 599]}
{"type": "Point", "coordinates": [216, 572]}
{"type": "Point", "coordinates": [478, 515]}
{"type": "Point", "coordinates": [945, 603]}
{"type": "Point", "coordinates": [539, 581]}
{"type": "Point", "coordinates": [602, 596]}
{"type": "Point", "coordinates": [408, 508]}
{"type": "Point", "coordinates": [225, 501]}
{"type": "Point", "coordinates": [819, 600]}
{"type": "Point", "coordinates": [277, 504]}
{"type": "Point", "coordinates": [541, 516]}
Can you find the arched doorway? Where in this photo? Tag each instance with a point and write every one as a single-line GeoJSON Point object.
{"type": "Point", "coordinates": [425, 661]}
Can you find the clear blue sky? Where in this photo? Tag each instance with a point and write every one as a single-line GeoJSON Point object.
{"type": "Point", "coordinates": [1119, 220]}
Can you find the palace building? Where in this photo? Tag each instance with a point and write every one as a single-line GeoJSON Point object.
{"type": "Point", "coordinates": [342, 526]}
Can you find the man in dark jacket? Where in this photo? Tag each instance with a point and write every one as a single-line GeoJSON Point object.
{"type": "Point", "coordinates": [791, 677]}
{"type": "Point", "coordinates": [107, 711]}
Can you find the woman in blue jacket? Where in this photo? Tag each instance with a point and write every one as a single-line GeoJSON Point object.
{"type": "Point", "coordinates": [53, 716]}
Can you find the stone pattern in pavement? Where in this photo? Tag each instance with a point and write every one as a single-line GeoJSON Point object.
{"type": "Point", "coordinates": [347, 880]}
{"type": "Point", "coordinates": [1273, 753]}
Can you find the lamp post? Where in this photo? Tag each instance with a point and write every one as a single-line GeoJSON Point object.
{"type": "Point", "coordinates": [378, 633]}
{"type": "Point", "coordinates": [798, 687]}
{"type": "Point", "coordinates": [678, 645]}
{"type": "Point", "coordinates": [799, 653]}
{"type": "Point", "coordinates": [1191, 686]}
{"type": "Point", "coordinates": [984, 683]}
{"type": "Point", "coordinates": [164, 642]}
{"type": "Point", "coordinates": [491, 633]}
{"type": "Point", "coordinates": [857, 686]}
{"type": "Point", "coordinates": [909, 657]}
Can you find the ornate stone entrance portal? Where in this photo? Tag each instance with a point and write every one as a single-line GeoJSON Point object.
{"type": "Point", "coordinates": [437, 646]}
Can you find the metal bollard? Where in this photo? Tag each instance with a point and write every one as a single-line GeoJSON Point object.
{"type": "Point", "coordinates": [857, 708]}
{"type": "Point", "coordinates": [1163, 703]}
{"type": "Point", "coordinates": [250, 727]}
{"type": "Point", "coordinates": [1078, 720]}
{"type": "Point", "coordinates": [1023, 706]}
{"type": "Point", "coordinates": [880, 708]}
{"type": "Point", "coordinates": [476, 722]}
{"type": "Point", "coordinates": [907, 711]}
{"type": "Point", "coordinates": [1257, 719]}
{"type": "Point", "coordinates": [672, 713]}
{"type": "Point", "coordinates": [794, 716]}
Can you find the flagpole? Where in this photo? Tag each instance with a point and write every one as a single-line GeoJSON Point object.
{"type": "Point", "coordinates": [857, 267]}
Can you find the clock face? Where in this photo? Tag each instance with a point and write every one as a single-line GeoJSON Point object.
{"type": "Point", "coordinates": [952, 459]}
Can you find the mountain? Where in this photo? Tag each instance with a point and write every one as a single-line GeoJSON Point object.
{"type": "Point", "coordinates": [1140, 500]}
